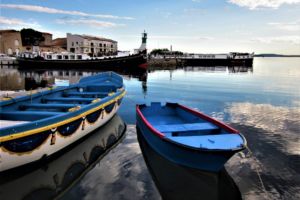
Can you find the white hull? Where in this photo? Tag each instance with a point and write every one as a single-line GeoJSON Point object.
{"type": "Point", "coordinates": [10, 159]}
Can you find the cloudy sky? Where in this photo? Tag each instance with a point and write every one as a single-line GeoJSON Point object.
{"type": "Point", "coordinates": [202, 26]}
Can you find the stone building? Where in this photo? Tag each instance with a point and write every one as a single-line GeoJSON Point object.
{"type": "Point", "coordinates": [95, 46]}
{"type": "Point", "coordinates": [48, 39]}
{"type": "Point", "coordinates": [10, 42]}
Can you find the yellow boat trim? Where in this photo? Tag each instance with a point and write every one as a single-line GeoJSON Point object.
{"type": "Point", "coordinates": [41, 129]}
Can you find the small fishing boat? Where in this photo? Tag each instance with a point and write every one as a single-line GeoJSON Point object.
{"type": "Point", "coordinates": [187, 137]}
{"type": "Point", "coordinates": [38, 125]}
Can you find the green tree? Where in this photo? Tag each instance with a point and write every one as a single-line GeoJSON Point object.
{"type": "Point", "coordinates": [31, 37]}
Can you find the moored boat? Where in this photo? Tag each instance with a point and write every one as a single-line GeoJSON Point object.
{"type": "Point", "coordinates": [41, 124]}
{"type": "Point", "coordinates": [187, 137]}
{"type": "Point", "coordinates": [133, 62]}
{"type": "Point", "coordinates": [64, 170]}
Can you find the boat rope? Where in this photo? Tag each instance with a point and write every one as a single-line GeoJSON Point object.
{"type": "Point", "coordinates": [258, 173]}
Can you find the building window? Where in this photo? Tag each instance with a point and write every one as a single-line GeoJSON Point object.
{"type": "Point", "coordinates": [59, 57]}
{"type": "Point", "coordinates": [112, 46]}
{"type": "Point", "coordinates": [100, 44]}
{"type": "Point", "coordinates": [76, 42]}
{"type": "Point", "coordinates": [79, 57]}
{"type": "Point", "coordinates": [72, 57]}
{"type": "Point", "coordinates": [72, 44]}
{"type": "Point", "coordinates": [104, 45]}
{"type": "Point", "coordinates": [66, 57]}
{"type": "Point", "coordinates": [49, 56]}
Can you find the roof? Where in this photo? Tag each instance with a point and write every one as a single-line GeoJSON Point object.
{"type": "Point", "coordinates": [8, 31]}
{"type": "Point", "coordinates": [90, 37]}
{"type": "Point", "coordinates": [59, 42]}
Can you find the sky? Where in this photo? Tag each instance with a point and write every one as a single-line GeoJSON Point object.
{"type": "Point", "coordinates": [198, 26]}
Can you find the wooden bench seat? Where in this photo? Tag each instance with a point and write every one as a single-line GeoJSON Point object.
{"type": "Point", "coordinates": [186, 127]}
{"type": "Point", "coordinates": [86, 94]}
{"type": "Point", "coordinates": [66, 99]}
{"type": "Point", "coordinates": [45, 105]}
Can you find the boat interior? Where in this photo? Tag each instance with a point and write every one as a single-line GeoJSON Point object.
{"type": "Point", "coordinates": [181, 126]}
{"type": "Point", "coordinates": [55, 102]}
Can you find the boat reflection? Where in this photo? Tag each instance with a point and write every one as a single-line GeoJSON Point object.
{"type": "Point", "coordinates": [49, 179]}
{"type": "Point", "coordinates": [177, 182]}
{"type": "Point", "coordinates": [13, 78]}
{"type": "Point", "coordinates": [222, 69]}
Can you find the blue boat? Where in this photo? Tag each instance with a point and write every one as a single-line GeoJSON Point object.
{"type": "Point", "coordinates": [38, 125]}
{"type": "Point", "coordinates": [187, 137]}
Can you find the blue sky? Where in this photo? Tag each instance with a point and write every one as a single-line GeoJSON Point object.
{"type": "Point", "coordinates": [202, 26]}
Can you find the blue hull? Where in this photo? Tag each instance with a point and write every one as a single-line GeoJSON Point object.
{"type": "Point", "coordinates": [201, 159]}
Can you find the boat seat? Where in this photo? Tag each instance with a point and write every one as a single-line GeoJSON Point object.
{"type": "Point", "coordinates": [221, 141]}
{"type": "Point", "coordinates": [45, 105]}
{"type": "Point", "coordinates": [68, 99]}
{"type": "Point", "coordinates": [28, 115]}
{"type": "Point", "coordinates": [104, 87]}
{"type": "Point", "coordinates": [186, 127]}
{"type": "Point", "coordinates": [86, 94]}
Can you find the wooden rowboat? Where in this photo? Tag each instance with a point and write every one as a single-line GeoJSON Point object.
{"type": "Point", "coordinates": [38, 125]}
{"type": "Point", "coordinates": [187, 137]}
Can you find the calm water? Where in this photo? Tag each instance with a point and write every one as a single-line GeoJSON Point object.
{"type": "Point", "coordinates": [262, 102]}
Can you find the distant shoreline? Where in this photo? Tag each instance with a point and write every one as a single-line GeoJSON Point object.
{"type": "Point", "coordinates": [276, 55]}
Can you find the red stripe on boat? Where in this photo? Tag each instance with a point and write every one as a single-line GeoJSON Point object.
{"type": "Point", "coordinates": [206, 117]}
{"type": "Point", "coordinates": [159, 134]}
{"type": "Point", "coordinates": [143, 66]}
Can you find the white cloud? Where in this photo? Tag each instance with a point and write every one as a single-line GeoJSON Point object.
{"type": "Point", "coordinates": [181, 37]}
{"type": "Point", "coordinates": [89, 22]}
{"type": "Point", "coordinates": [42, 9]}
{"type": "Point", "coordinates": [290, 26]}
{"type": "Point", "coordinates": [293, 39]}
{"type": "Point", "coordinates": [255, 4]}
{"type": "Point", "coordinates": [13, 23]}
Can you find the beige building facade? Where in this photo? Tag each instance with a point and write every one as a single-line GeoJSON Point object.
{"type": "Point", "coordinates": [95, 46]}
{"type": "Point", "coordinates": [10, 42]}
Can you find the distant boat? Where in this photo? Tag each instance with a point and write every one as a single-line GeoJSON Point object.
{"type": "Point", "coordinates": [187, 137]}
{"type": "Point", "coordinates": [41, 124]}
{"type": "Point", "coordinates": [230, 59]}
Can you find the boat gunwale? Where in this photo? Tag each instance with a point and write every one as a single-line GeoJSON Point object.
{"type": "Point", "coordinates": [164, 138]}
{"type": "Point", "coordinates": [95, 107]}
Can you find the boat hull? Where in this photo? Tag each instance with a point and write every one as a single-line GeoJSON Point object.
{"type": "Point", "coordinates": [186, 183]}
{"type": "Point", "coordinates": [212, 161]}
{"type": "Point", "coordinates": [53, 140]}
{"type": "Point", "coordinates": [64, 169]}
{"type": "Point", "coordinates": [133, 61]}
{"type": "Point", "coordinates": [175, 139]}
{"type": "Point", "coordinates": [38, 125]}
{"type": "Point", "coordinates": [51, 143]}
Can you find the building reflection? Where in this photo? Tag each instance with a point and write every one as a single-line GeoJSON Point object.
{"type": "Point", "coordinates": [13, 78]}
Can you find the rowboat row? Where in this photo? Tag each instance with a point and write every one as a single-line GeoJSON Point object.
{"type": "Point", "coordinates": [39, 125]}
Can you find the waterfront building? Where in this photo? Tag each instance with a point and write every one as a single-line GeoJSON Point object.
{"type": "Point", "coordinates": [10, 42]}
{"type": "Point", "coordinates": [95, 46]}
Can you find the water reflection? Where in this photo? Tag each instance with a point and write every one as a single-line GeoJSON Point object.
{"type": "Point", "coordinates": [178, 182]}
{"type": "Point", "coordinates": [273, 168]}
{"type": "Point", "coordinates": [50, 179]}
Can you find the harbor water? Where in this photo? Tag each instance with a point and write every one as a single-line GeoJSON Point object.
{"type": "Point", "coordinates": [262, 102]}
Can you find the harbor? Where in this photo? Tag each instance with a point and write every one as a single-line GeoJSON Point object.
{"type": "Point", "coordinates": [182, 100]}
{"type": "Point", "coordinates": [251, 174]}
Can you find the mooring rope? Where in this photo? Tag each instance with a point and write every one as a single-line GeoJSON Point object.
{"type": "Point", "coordinates": [258, 173]}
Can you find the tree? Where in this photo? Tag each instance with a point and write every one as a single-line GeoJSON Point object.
{"type": "Point", "coordinates": [31, 37]}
